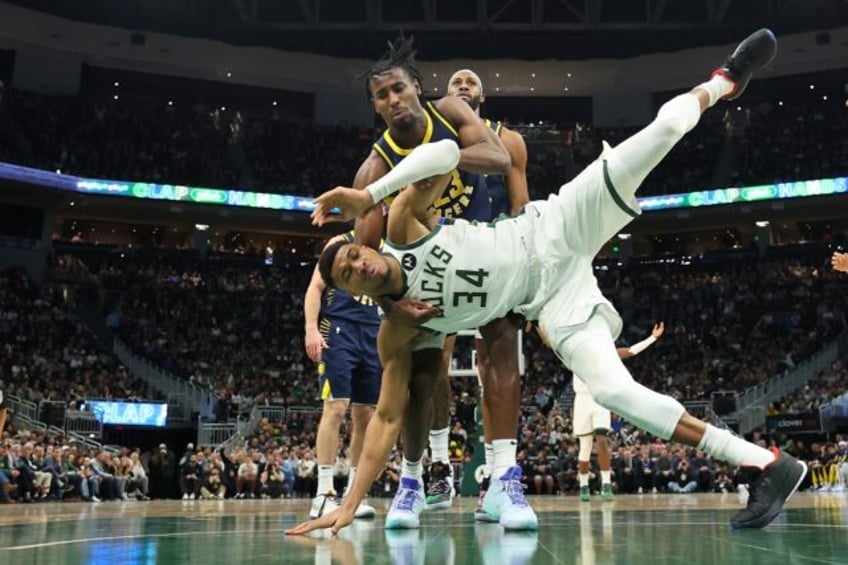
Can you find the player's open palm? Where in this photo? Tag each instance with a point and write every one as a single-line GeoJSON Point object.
{"type": "Point", "coordinates": [412, 312]}
{"type": "Point", "coordinates": [335, 520]}
{"type": "Point", "coordinates": [349, 202]}
{"type": "Point", "coordinates": [315, 343]}
{"type": "Point", "coordinates": [840, 262]}
{"type": "Point", "coordinates": [658, 330]}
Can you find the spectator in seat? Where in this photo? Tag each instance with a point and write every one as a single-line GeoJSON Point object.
{"type": "Point", "coordinates": [70, 474]}
{"type": "Point", "coordinates": [684, 479]}
{"type": "Point", "coordinates": [212, 487]}
{"type": "Point", "coordinates": [567, 474]}
{"type": "Point", "coordinates": [306, 481]}
{"type": "Point", "coordinates": [543, 474]}
{"type": "Point", "coordinates": [643, 470]}
{"type": "Point", "coordinates": [108, 485]}
{"type": "Point", "coordinates": [139, 477]}
{"type": "Point", "coordinates": [622, 468]}
{"type": "Point", "coordinates": [246, 478]}
{"type": "Point", "coordinates": [191, 474]}
{"type": "Point", "coordinates": [663, 472]}
{"type": "Point", "coordinates": [272, 480]}
{"type": "Point", "coordinates": [163, 471]}
{"type": "Point", "coordinates": [703, 469]}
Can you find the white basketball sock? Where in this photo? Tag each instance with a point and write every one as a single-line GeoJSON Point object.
{"type": "Point", "coordinates": [325, 479]}
{"type": "Point", "coordinates": [439, 445]}
{"type": "Point", "coordinates": [605, 477]}
{"type": "Point", "coordinates": [583, 478]}
{"type": "Point", "coordinates": [503, 456]}
{"type": "Point", "coordinates": [716, 87]}
{"type": "Point", "coordinates": [721, 444]}
{"type": "Point", "coordinates": [411, 469]}
{"type": "Point", "coordinates": [490, 456]}
{"type": "Point", "coordinates": [350, 479]}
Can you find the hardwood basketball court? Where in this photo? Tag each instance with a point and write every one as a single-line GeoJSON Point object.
{"type": "Point", "coordinates": [633, 529]}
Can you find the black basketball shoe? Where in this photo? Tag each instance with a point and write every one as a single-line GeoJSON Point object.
{"type": "Point", "coordinates": [770, 491]}
{"type": "Point", "coordinates": [755, 52]}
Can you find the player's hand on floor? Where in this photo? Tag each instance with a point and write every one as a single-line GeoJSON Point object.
{"type": "Point", "coordinates": [315, 343]}
{"type": "Point", "coordinates": [335, 520]}
{"type": "Point", "coordinates": [840, 262]}
{"type": "Point", "coordinates": [350, 203]}
{"type": "Point", "coordinates": [412, 312]}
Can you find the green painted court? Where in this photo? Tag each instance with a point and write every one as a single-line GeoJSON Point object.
{"type": "Point", "coordinates": [631, 529]}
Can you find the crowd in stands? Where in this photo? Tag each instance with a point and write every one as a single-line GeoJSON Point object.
{"type": "Point", "coordinates": [763, 142]}
{"type": "Point", "coordinates": [47, 354]}
{"type": "Point", "coordinates": [236, 330]}
{"type": "Point", "coordinates": [821, 389]}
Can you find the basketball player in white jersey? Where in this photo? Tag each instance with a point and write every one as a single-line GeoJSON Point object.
{"type": "Point", "coordinates": [591, 420]}
{"type": "Point", "coordinates": [539, 265]}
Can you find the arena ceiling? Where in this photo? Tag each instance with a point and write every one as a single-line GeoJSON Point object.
{"type": "Point", "coordinates": [478, 29]}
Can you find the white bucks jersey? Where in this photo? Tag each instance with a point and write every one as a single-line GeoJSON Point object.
{"type": "Point", "coordinates": [474, 272]}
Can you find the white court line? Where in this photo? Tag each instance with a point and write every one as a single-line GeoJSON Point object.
{"type": "Point", "coordinates": [131, 537]}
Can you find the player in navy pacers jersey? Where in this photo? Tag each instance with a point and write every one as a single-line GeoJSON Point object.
{"type": "Point", "coordinates": [467, 197]}
{"type": "Point", "coordinates": [343, 343]}
{"type": "Point", "coordinates": [394, 87]}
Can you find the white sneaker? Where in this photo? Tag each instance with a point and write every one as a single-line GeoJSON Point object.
{"type": "Point", "coordinates": [323, 504]}
{"type": "Point", "coordinates": [185, 496]}
{"type": "Point", "coordinates": [364, 511]}
{"type": "Point", "coordinates": [505, 500]}
{"type": "Point", "coordinates": [407, 505]}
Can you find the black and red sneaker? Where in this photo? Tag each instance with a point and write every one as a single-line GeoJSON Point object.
{"type": "Point", "coordinates": [769, 491]}
{"type": "Point", "coordinates": [755, 52]}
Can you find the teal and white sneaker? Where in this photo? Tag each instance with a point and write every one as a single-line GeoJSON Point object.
{"type": "Point", "coordinates": [505, 500]}
{"type": "Point", "coordinates": [606, 492]}
{"type": "Point", "coordinates": [584, 494]}
{"type": "Point", "coordinates": [481, 515]}
{"type": "Point", "coordinates": [407, 505]}
{"type": "Point", "coordinates": [441, 491]}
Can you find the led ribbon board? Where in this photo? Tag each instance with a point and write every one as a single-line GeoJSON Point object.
{"type": "Point", "coordinates": [129, 413]}
{"type": "Point", "coordinates": [288, 202]}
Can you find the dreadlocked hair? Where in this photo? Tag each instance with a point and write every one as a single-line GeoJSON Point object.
{"type": "Point", "coordinates": [400, 54]}
{"type": "Point", "coordinates": [325, 262]}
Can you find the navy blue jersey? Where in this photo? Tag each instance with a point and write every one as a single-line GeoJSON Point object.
{"type": "Point", "coordinates": [339, 305]}
{"type": "Point", "coordinates": [466, 196]}
{"type": "Point", "coordinates": [496, 184]}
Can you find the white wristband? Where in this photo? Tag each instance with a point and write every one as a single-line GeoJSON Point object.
{"type": "Point", "coordinates": [638, 348]}
{"type": "Point", "coordinates": [425, 161]}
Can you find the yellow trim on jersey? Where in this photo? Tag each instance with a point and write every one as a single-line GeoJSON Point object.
{"type": "Point", "coordinates": [326, 394]}
{"type": "Point", "coordinates": [428, 133]}
{"type": "Point", "coordinates": [442, 119]}
{"type": "Point", "coordinates": [498, 127]}
{"type": "Point", "coordinates": [385, 157]}
{"type": "Point", "coordinates": [324, 330]}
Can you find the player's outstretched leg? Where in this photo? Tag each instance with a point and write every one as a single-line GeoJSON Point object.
{"type": "Point", "coordinates": [606, 189]}
{"type": "Point", "coordinates": [591, 353]}
{"type": "Point", "coordinates": [633, 159]}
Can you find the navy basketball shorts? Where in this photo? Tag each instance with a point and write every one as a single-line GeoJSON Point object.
{"type": "Point", "coordinates": [350, 368]}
